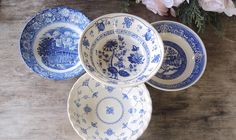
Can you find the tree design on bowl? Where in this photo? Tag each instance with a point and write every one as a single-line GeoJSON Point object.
{"type": "Point", "coordinates": [121, 50]}
{"type": "Point", "coordinates": [174, 63]}
{"type": "Point", "coordinates": [119, 60]}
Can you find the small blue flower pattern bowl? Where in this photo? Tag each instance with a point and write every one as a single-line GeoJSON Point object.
{"type": "Point", "coordinates": [185, 57]}
{"type": "Point", "coordinates": [49, 43]}
{"type": "Point", "coordinates": [100, 112]}
{"type": "Point", "coordinates": [121, 50]}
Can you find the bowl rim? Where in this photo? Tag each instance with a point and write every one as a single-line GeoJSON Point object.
{"type": "Point", "coordinates": [148, 104]}
{"type": "Point", "coordinates": [25, 24]}
{"type": "Point", "coordinates": [152, 73]}
{"type": "Point", "coordinates": [204, 52]}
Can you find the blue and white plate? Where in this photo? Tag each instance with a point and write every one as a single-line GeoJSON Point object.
{"type": "Point", "coordinates": [121, 50]}
{"type": "Point", "coordinates": [185, 57]}
{"type": "Point", "coordinates": [49, 43]}
{"type": "Point", "coordinates": [99, 112]}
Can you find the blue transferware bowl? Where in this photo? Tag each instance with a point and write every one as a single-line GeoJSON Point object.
{"type": "Point", "coordinates": [49, 43]}
{"type": "Point", "coordinates": [100, 112]}
{"type": "Point", "coordinates": [185, 57]}
{"type": "Point", "coordinates": [121, 50]}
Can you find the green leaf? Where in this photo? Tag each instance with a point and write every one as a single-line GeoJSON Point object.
{"type": "Point", "coordinates": [193, 15]}
{"type": "Point", "coordinates": [124, 5]}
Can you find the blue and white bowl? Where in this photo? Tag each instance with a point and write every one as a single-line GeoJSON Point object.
{"type": "Point", "coordinates": [121, 50]}
{"type": "Point", "coordinates": [185, 57]}
{"type": "Point", "coordinates": [49, 43]}
{"type": "Point", "coordinates": [99, 112]}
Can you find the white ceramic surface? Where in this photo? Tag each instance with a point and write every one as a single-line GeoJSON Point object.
{"type": "Point", "coordinates": [185, 57]}
{"type": "Point", "coordinates": [121, 50]}
{"type": "Point", "coordinates": [99, 112]}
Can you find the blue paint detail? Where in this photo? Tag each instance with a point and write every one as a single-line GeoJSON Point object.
{"type": "Point", "coordinates": [101, 26]}
{"type": "Point", "coordinates": [109, 132]}
{"type": "Point", "coordinates": [125, 96]}
{"type": "Point", "coordinates": [156, 59]}
{"type": "Point", "coordinates": [110, 98]}
{"type": "Point", "coordinates": [100, 64]}
{"type": "Point", "coordinates": [174, 63]}
{"type": "Point", "coordinates": [114, 53]}
{"type": "Point", "coordinates": [90, 128]}
{"type": "Point", "coordinates": [195, 45]}
{"type": "Point", "coordinates": [95, 95]}
{"type": "Point", "coordinates": [85, 42]}
{"type": "Point", "coordinates": [136, 58]}
{"type": "Point", "coordinates": [109, 110]}
{"type": "Point", "coordinates": [128, 22]}
{"type": "Point", "coordinates": [94, 124]}
{"type": "Point", "coordinates": [87, 109]}
{"type": "Point", "coordinates": [39, 22]}
{"type": "Point", "coordinates": [109, 88]}
{"type": "Point", "coordinates": [148, 35]}
{"type": "Point", "coordinates": [123, 73]}
{"type": "Point", "coordinates": [58, 48]}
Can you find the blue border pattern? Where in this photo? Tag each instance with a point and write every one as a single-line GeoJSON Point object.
{"type": "Point", "coordinates": [37, 23]}
{"type": "Point", "coordinates": [195, 44]}
{"type": "Point", "coordinates": [134, 36]}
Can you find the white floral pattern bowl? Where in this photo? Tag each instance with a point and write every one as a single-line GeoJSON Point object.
{"type": "Point", "coordinates": [121, 50]}
{"type": "Point", "coordinates": [185, 57]}
{"type": "Point", "coordinates": [49, 43]}
{"type": "Point", "coordinates": [103, 112]}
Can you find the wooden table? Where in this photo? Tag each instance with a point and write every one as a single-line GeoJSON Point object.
{"type": "Point", "coordinates": [34, 108]}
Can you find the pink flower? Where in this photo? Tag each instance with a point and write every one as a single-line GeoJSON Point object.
{"type": "Point", "coordinates": [161, 6]}
{"type": "Point", "coordinates": [226, 6]}
{"type": "Point", "coordinates": [156, 6]}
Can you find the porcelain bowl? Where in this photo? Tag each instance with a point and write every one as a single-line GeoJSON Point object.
{"type": "Point", "coordinates": [49, 42]}
{"type": "Point", "coordinates": [121, 50]}
{"type": "Point", "coordinates": [99, 112]}
{"type": "Point", "coordinates": [185, 57]}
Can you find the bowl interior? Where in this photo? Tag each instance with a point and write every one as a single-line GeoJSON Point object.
{"type": "Point", "coordinates": [121, 49]}
{"type": "Point", "coordinates": [184, 60]}
{"type": "Point", "coordinates": [95, 114]}
{"type": "Point", "coordinates": [49, 42]}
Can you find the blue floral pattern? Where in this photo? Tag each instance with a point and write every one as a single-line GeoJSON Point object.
{"type": "Point", "coordinates": [122, 47]}
{"type": "Point", "coordinates": [108, 111]}
{"type": "Point", "coordinates": [114, 53]}
{"type": "Point", "coordinates": [57, 46]}
{"type": "Point", "coordinates": [128, 22]}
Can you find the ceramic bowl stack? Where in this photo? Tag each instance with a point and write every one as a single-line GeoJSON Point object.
{"type": "Point", "coordinates": [119, 52]}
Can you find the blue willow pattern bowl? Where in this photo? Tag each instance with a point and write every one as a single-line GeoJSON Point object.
{"type": "Point", "coordinates": [121, 50]}
{"type": "Point", "coordinates": [99, 112]}
{"type": "Point", "coordinates": [49, 43]}
{"type": "Point", "coordinates": [185, 57]}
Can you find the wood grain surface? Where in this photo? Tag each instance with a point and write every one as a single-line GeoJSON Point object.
{"type": "Point", "coordinates": [34, 108]}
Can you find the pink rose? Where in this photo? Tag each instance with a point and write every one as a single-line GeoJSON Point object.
{"type": "Point", "coordinates": [161, 6]}
{"type": "Point", "coordinates": [156, 6]}
{"type": "Point", "coordinates": [226, 6]}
